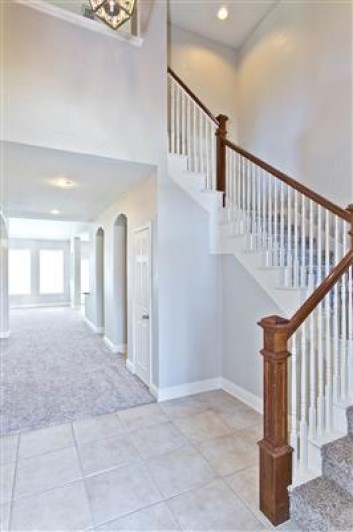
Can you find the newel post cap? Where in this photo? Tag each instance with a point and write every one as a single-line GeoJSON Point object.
{"type": "Point", "coordinates": [222, 123]}
{"type": "Point", "coordinates": [274, 322]}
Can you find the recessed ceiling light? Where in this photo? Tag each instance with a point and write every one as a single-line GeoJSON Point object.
{"type": "Point", "coordinates": [55, 211]}
{"type": "Point", "coordinates": [63, 182]}
{"type": "Point", "coordinates": [222, 13]}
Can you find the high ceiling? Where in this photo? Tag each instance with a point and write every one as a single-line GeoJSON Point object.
{"type": "Point", "coordinates": [32, 173]}
{"type": "Point", "coordinates": [200, 16]}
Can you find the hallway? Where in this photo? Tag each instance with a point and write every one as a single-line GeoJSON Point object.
{"type": "Point", "coordinates": [55, 370]}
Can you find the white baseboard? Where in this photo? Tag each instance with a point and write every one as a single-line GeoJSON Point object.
{"type": "Point", "coordinates": [191, 388]}
{"type": "Point", "coordinates": [95, 329]}
{"type": "Point", "coordinates": [130, 366]}
{"type": "Point", "coordinates": [120, 348]}
{"type": "Point", "coordinates": [243, 395]}
{"type": "Point", "coordinates": [4, 335]}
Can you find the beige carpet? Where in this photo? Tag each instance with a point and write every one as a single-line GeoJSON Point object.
{"type": "Point", "coordinates": [54, 369]}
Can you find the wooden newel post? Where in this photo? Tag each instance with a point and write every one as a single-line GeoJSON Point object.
{"type": "Point", "coordinates": [350, 210]}
{"type": "Point", "coordinates": [275, 453]}
{"type": "Point", "coordinates": [221, 135]}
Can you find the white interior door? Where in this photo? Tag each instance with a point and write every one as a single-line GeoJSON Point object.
{"type": "Point", "coordinates": [142, 303]}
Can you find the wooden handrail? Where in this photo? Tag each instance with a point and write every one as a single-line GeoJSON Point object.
{"type": "Point", "coordinates": [193, 96]}
{"type": "Point", "coordinates": [332, 207]}
{"type": "Point", "coordinates": [318, 295]}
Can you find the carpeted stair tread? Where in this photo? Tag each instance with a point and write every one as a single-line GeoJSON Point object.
{"type": "Point", "coordinates": [321, 505]}
{"type": "Point", "coordinates": [337, 463]}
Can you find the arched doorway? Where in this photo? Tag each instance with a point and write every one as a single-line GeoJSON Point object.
{"type": "Point", "coordinates": [100, 277]}
{"type": "Point", "coordinates": [120, 283]}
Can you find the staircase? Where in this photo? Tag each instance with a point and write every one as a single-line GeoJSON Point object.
{"type": "Point", "coordinates": [298, 247]}
{"type": "Point", "coordinates": [326, 502]}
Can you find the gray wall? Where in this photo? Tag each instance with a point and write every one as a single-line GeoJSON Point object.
{"type": "Point", "coordinates": [244, 304]}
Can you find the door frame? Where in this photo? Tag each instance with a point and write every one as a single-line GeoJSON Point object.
{"type": "Point", "coordinates": [147, 225]}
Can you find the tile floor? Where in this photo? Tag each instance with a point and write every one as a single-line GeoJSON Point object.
{"type": "Point", "coordinates": [186, 464]}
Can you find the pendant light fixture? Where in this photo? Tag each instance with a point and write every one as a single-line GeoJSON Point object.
{"type": "Point", "coordinates": [113, 12]}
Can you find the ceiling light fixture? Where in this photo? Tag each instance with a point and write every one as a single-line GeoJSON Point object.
{"type": "Point", "coordinates": [63, 182]}
{"type": "Point", "coordinates": [222, 13]}
{"type": "Point", "coordinates": [55, 212]}
{"type": "Point", "coordinates": [113, 12]}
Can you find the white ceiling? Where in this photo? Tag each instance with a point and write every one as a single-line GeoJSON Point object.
{"type": "Point", "coordinates": [200, 16]}
{"type": "Point", "coordinates": [29, 171]}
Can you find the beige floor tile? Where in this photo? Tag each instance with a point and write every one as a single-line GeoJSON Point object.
{"type": "Point", "coordinates": [121, 491]}
{"type": "Point", "coordinates": [203, 426]}
{"type": "Point", "coordinates": [254, 433]}
{"type": "Point", "coordinates": [107, 453]}
{"type": "Point", "coordinates": [142, 417]}
{"type": "Point", "coordinates": [7, 475]}
{"type": "Point", "coordinates": [179, 471]}
{"type": "Point", "coordinates": [185, 406]}
{"type": "Point", "coordinates": [212, 507]}
{"type": "Point", "coordinates": [241, 418]}
{"type": "Point", "coordinates": [8, 448]}
{"type": "Point", "coordinates": [4, 517]}
{"type": "Point", "coordinates": [97, 427]}
{"type": "Point", "coordinates": [44, 440]}
{"type": "Point", "coordinates": [245, 484]}
{"type": "Point", "coordinates": [228, 454]}
{"type": "Point", "coordinates": [60, 509]}
{"type": "Point", "coordinates": [159, 439]}
{"type": "Point", "coordinates": [219, 400]}
{"type": "Point", "coordinates": [157, 517]}
{"type": "Point", "coordinates": [41, 472]}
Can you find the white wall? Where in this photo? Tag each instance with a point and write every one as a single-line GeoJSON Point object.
{"type": "Point", "coordinates": [71, 88]}
{"type": "Point", "coordinates": [209, 69]}
{"type": "Point", "coordinates": [189, 291]}
{"type": "Point", "coordinates": [139, 205]}
{"type": "Point", "coordinates": [295, 78]}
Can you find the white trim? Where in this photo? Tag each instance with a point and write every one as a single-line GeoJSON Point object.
{"type": "Point", "coordinates": [243, 395]}
{"type": "Point", "coordinates": [4, 335]}
{"type": "Point", "coordinates": [130, 366]}
{"type": "Point", "coordinates": [147, 225]}
{"type": "Point", "coordinates": [113, 347]}
{"type": "Point", "coordinates": [39, 305]}
{"type": "Point", "coordinates": [80, 20]}
{"type": "Point", "coordinates": [95, 329]}
{"type": "Point", "coordinates": [191, 388]}
{"type": "Point", "coordinates": [122, 348]}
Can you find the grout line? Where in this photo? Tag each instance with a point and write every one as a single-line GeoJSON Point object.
{"type": "Point", "coordinates": [14, 483]}
{"type": "Point", "coordinates": [83, 477]}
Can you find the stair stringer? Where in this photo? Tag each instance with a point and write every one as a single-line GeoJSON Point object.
{"type": "Point", "coordinates": [223, 243]}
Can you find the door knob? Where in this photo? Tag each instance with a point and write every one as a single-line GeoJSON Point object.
{"type": "Point", "coordinates": [145, 317]}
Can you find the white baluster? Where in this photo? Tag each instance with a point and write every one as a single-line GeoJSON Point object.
{"type": "Point", "coordinates": [328, 333]}
{"type": "Point", "coordinates": [350, 333]}
{"type": "Point", "coordinates": [312, 379]}
{"type": "Point", "coordinates": [320, 371]}
{"type": "Point", "coordinates": [189, 137]}
{"type": "Point", "coordinates": [303, 268]}
{"type": "Point", "coordinates": [303, 428]}
{"type": "Point", "coordinates": [296, 242]}
{"type": "Point", "coordinates": [311, 246]}
{"type": "Point", "coordinates": [172, 124]}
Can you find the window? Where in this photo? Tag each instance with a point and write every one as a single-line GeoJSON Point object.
{"type": "Point", "coordinates": [51, 271]}
{"type": "Point", "coordinates": [19, 272]}
{"type": "Point", "coordinates": [85, 275]}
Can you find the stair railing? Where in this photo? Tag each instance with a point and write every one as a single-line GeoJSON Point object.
{"type": "Point", "coordinates": [194, 131]}
{"type": "Point", "coordinates": [308, 359]}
